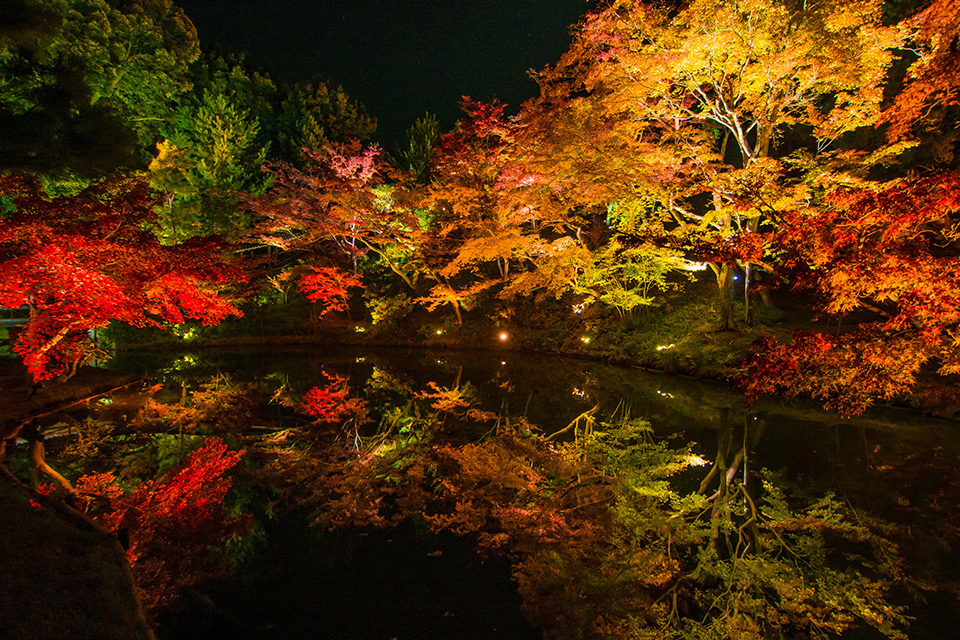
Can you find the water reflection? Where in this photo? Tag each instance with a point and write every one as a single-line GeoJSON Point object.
{"type": "Point", "coordinates": [720, 515]}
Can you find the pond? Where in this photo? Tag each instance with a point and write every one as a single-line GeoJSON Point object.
{"type": "Point", "coordinates": [411, 581]}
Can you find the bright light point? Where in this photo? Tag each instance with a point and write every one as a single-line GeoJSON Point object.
{"type": "Point", "coordinates": [736, 277]}
{"type": "Point", "coordinates": [504, 336]}
{"type": "Point", "coordinates": [439, 332]}
{"type": "Point", "coordinates": [666, 346]}
{"type": "Point", "coordinates": [585, 339]}
{"type": "Point", "coordinates": [359, 329]}
{"type": "Point", "coordinates": [503, 362]}
{"type": "Point", "coordinates": [579, 392]}
{"type": "Point", "coordinates": [696, 461]}
{"type": "Point", "coordinates": [693, 266]}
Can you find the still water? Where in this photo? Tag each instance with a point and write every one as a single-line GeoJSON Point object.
{"type": "Point", "coordinates": [406, 583]}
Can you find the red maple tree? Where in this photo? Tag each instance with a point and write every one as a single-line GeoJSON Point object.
{"type": "Point", "coordinates": [81, 262]}
{"type": "Point", "coordinates": [329, 287]}
{"type": "Point", "coordinates": [889, 255]}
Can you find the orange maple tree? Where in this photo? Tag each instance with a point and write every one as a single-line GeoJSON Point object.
{"type": "Point", "coordinates": [890, 255]}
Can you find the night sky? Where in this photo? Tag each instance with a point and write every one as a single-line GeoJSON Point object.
{"type": "Point", "coordinates": [400, 58]}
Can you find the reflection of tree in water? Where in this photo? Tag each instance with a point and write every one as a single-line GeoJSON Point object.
{"type": "Point", "coordinates": [615, 529]}
{"type": "Point", "coordinates": [604, 543]}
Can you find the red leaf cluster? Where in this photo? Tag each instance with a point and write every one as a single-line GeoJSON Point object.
{"type": "Point", "coordinates": [890, 253]}
{"type": "Point", "coordinates": [82, 262]}
{"type": "Point", "coordinates": [173, 521]}
{"type": "Point", "coordinates": [329, 286]}
{"type": "Point", "coordinates": [332, 402]}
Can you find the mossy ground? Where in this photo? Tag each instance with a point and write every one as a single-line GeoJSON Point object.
{"type": "Point", "coordinates": [58, 582]}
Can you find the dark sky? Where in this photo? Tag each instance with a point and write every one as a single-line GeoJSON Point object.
{"type": "Point", "coordinates": [399, 57]}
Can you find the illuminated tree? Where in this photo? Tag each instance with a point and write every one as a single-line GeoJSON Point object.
{"type": "Point", "coordinates": [674, 114]}
{"type": "Point", "coordinates": [890, 252]}
{"type": "Point", "coordinates": [337, 208]}
{"type": "Point", "coordinates": [82, 262]}
{"type": "Point", "coordinates": [933, 80]}
{"type": "Point", "coordinates": [211, 151]}
{"type": "Point", "coordinates": [85, 84]}
{"type": "Point", "coordinates": [329, 287]}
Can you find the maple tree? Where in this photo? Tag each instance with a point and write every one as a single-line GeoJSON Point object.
{"type": "Point", "coordinates": [337, 208]}
{"type": "Point", "coordinates": [328, 286]}
{"type": "Point", "coordinates": [673, 115]}
{"type": "Point", "coordinates": [489, 227]}
{"type": "Point", "coordinates": [933, 79]}
{"type": "Point", "coordinates": [79, 263]}
{"type": "Point", "coordinates": [890, 252]}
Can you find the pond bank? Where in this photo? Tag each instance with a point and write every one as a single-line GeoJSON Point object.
{"type": "Point", "coordinates": [716, 356]}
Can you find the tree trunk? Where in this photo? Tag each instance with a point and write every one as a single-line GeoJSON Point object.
{"type": "Point", "coordinates": [38, 461]}
{"type": "Point", "coordinates": [725, 297]}
{"type": "Point", "coordinates": [748, 310]}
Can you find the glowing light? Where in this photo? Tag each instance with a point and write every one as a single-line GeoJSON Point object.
{"type": "Point", "coordinates": [439, 332]}
{"type": "Point", "coordinates": [579, 392]}
{"type": "Point", "coordinates": [693, 266]}
{"type": "Point", "coordinates": [503, 362]}
{"type": "Point", "coordinates": [359, 329]}
{"type": "Point", "coordinates": [666, 346]}
{"type": "Point", "coordinates": [585, 339]}
{"type": "Point", "coordinates": [578, 308]}
{"type": "Point", "coordinates": [360, 359]}
{"type": "Point", "coordinates": [504, 336]}
{"type": "Point", "coordinates": [696, 461]}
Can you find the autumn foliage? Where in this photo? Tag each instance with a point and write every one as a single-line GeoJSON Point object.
{"type": "Point", "coordinates": [173, 522]}
{"type": "Point", "coordinates": [890, 257]}
{"type": "Point", "coordinates": [333, 402]}
{"type": "Point", "coordinates": [82, 262]}
{"type": "Point", "coordinates": [605, 545]}
{"type": "Point", "coordinates": [329, 287]}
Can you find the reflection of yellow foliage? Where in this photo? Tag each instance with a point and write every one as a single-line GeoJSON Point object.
{"type": "Point", "coordinates": [446, 400]}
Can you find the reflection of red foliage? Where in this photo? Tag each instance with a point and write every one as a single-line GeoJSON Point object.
{"type": "Point", "coordinates": [100, 485]}
{"type": "Point", "coordinates": [332, 402]}
{"type": "Point", "coordinates": [845, 372]}
{"type": "Point", "coordinates": [329, 287]}
{"type": "Point", "coordinates": [174, 521]}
